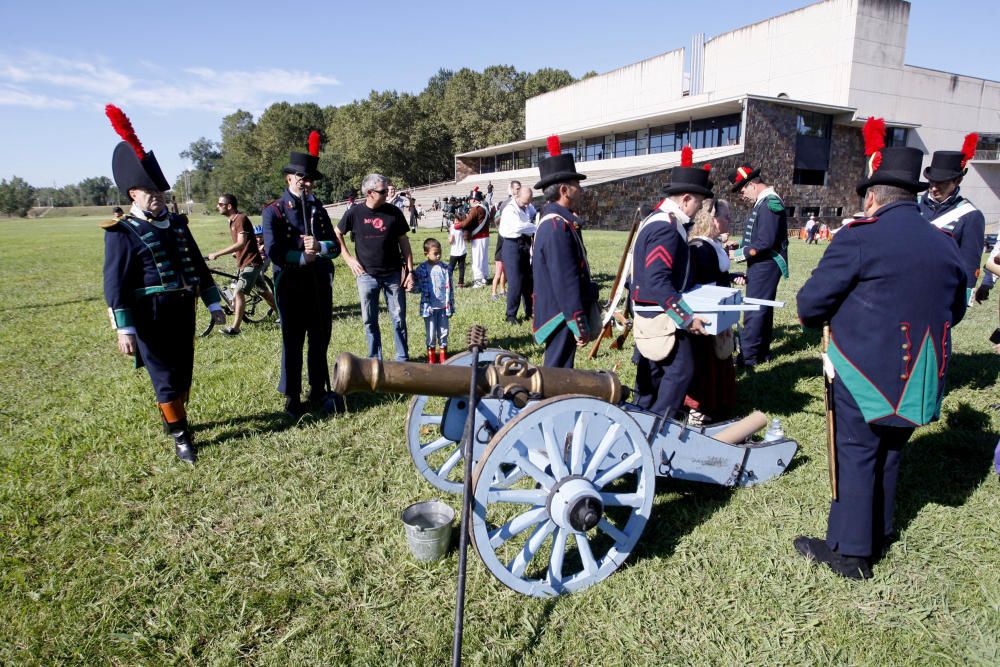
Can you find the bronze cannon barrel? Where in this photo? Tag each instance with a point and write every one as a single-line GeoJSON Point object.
{"type": "Point", "coordinates": [513, 375]}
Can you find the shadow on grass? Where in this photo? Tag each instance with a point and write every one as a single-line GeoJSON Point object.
{"type": "Point", "coordinates": [977, 371]}
{"type": "Point", "coordinates": [769, 388]}
{"type": "Point", "coordinates": [671, 520]}
{"type": "Point", "coordinates": [946, 467]}
{"type": "Point", "coordinates": [792, 338]}
{"type": "Point", "coordinates": [537, 629]}
{"type": "Point", "coordinates": [37, 306]}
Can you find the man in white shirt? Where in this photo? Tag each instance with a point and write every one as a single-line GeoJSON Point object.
{"type": "Point", "coordinates": [517, 228]}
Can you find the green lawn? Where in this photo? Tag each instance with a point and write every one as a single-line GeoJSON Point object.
{"type": "Point", "coordinates": [284, 545]}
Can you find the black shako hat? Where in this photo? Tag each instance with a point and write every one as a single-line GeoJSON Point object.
{"type": "Point", "coordinates": [558, 167]}
{"type": "Point", "coordinates": [741, 176]}
{"type": "Point", "coordinates": [689, 179]}
{"type": "Point", "coordinates": [305, 163]}
{"type": "Point", "coordinates": [949, 165]}
{"type": "Point", "coordinates": [131, 165]}
{"type": "Point", "coordinates": [898, 166]}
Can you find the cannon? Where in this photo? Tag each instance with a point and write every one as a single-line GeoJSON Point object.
{"type": "Point", "coordinates": [564, 467]}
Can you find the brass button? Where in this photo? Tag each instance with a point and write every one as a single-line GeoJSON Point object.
{"type": "Point", "coordinates": [906, 357]}
{"type": "Point", "coordinates": [903, 327]}
{"type": "Point", "coordinates": [905, 346]}
{"type": "Point", "coordinates": [903, 376]}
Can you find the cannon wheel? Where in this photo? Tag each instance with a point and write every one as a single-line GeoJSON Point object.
{"type": "Point", "coordinates": [436, 457]}
{"type": "Point", "coordinates": [573, 450]}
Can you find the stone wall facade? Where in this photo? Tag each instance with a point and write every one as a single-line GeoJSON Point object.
{"type": "Point", "coordinates": [769, 143]}
{"type": "Point", "coordinates": [465, 167]}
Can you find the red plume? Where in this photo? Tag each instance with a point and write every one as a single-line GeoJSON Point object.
{"type": "Point", "coordinates": [123, 126]}
{"type": "Point", "coordinates": [969, 147]}
{"type": "Point", "coordinates": [687, 156]}
{"type": "Point", "coordinates": [314, 143]}
{"type": "Point", "coordinates": [553, 145]}
{"type": "Point", "coordinates": [706, 167]}
{"type": "Point", "coordinates": [874, 134]}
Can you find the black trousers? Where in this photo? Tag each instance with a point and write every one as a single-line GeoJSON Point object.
{"type": "Point", "coordinates": [458, 262]}
{"type": "Point", "coordinates": [758, 325]}
{"type": "Point", "coordinates": [520, 282]}
{"type": "Point", "coordinates": [868, 459]}
{"type": "Point", "coordinates": [304, 297]}
{"type": "Point", "coordinates": [661, 385]}
{"type": "Point", "coordinates": [560, 349]}
{"type": "Point", "coordinates": [164, 326]}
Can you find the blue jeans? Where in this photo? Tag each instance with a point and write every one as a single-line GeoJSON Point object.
{"type": "Point", "coordinates": [395, 300]}
{"type": "Point", "coordinates": [436, 328]}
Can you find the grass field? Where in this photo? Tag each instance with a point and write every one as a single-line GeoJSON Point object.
{"type": "Point", "coordinates": [284, 545]}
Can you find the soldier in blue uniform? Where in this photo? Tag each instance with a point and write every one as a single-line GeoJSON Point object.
{"type": "Point", "coordinates": [891, 287]}
{"type": "Point", "coordinates": [945, 207]}
{"type": "Point", "coordinates": [153, 272]}
{"type": "Point", "coordinates": [564, 293]}
{"type": "Point", "coordinates": [299, 239]}
{"type": "Point", "coordinates": [765, 250]}
{"type": "Point", "coordinates": [660, 272]}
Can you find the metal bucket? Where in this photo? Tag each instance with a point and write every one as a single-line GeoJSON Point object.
{"type": "Point", "coordinates": [428, 528]}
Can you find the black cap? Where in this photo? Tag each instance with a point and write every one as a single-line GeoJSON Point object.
{"type": "Point", "coordinates": [741, 176]}
{"type": "Point", "coordinates": [303, 163]}
{"type": "Point", "coordinates": [131, 172]}
{"type": "Point", "coordinates": [694, 180]}
{"type": "Point", "coordinates": [898, 166]}
{"type": "Point", "coordinates": [945, 166]}
{"type": "Point", "coordinates": [559, 167]}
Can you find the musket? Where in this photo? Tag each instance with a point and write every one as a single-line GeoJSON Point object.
{"type": "Point", "coordinates": [831, 432]}
{"type": "Point", "coordinates": [616, 287]}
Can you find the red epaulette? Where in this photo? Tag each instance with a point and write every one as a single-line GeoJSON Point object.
{"type": "Point", "coordinates": [862, 221]}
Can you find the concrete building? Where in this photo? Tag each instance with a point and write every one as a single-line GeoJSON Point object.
{"type": "Point", "coordinates": [789, 94]}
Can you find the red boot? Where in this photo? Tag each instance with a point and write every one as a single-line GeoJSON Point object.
{"type": "Point", "coordinates": [442, 355]}
{"type": "Point", "coordinates": [430, 356]}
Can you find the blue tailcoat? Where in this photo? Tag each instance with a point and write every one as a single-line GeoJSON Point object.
{"type": "Point", "coordinates": [304, 293]}
{"type": "Point", "coordinates": [968, 230]}
{"type": "Point", "coordinates": [563, 288]}
{"type": "Point", "coordinates": [150, 278]}
{"type": "Point", "coordinates": [892, 287]}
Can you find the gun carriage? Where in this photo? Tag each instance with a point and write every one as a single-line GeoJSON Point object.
{"type": "Point", "coordinates": [564, 467]}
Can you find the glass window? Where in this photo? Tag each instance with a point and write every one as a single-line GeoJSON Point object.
{"type": "Point", "coordinates": [522, 159]}
{"type": "Point", "coordinates": [661, 139]}
{"type": "Point", "coordinates": [809, 177]}
{"type": "Point", "coordinates": [505, 162]}
{"type": "Point", "coordinates": [895, 136]}
{"type": "Point", "coordinates": [812, 124]}
{"type": "Point", "coordinates": [625, 144]}
{"type": "Point", "coordinates": [594, 149]}
{"type": "Point", "coordinates": [488, 165]}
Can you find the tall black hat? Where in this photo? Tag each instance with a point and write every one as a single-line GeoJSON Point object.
{"type": "Point", "coordinates": [949, 165]}
{"type": "Point", "coordinates": [741, 176]}
{"type": "Point", "coordinates": [898, 166]}
{"type": "Point", "coordinates": [305, 163]}
{"type": "Point", "coordinates": [131, 165]}
{"type": "Point", "coordinates": [558, 167]}
{"type": "Point", "coordinates": [688, 178]}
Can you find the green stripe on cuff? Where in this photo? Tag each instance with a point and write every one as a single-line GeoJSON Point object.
{"type": "Point", "coordinates": [123, 318]}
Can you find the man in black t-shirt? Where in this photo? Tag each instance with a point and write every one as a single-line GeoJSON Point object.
{"type": "Point", "coordinates": [383, 262]}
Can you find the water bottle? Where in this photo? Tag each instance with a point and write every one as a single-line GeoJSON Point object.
{"type": "Point", "coordinates": [774, 431]}
{"type": "Point", "coordinates": [996, 458]}
{"type": "Point", "coordinates": [228, 293]}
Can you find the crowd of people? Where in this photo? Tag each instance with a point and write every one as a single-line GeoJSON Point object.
{"type": "Point", "coordinates": [889, 289]}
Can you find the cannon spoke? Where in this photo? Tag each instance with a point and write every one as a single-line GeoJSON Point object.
{"type": "Point", "coordinates": [516, 526]}
{"type": "Point", "coordinates": [552, 449]}
{"type": "Point", "coordinates": [616, 471]}
{"type": "Point", "coordinates": [430, 420]}
{"type": "Point", "coordinates": [536, 473]}
{"type": "Point", "coordinates": [612, 530]}
{"type": "Point", "coordinates": [531, 547]}
{"type": "Point", "coordinates": [450, 463]}
{"type": "Point", "coordinates": [578, 442]}
{"type": "Point", "coordinates": [622, 499]}
{"type": "Point", "coordinates": [435, 446]}
{"type": "Point", "coordinates": [555, 575]}
{"type": "Point", "coordinates": [586, 555]}
{"type": "Point", "coordinates": [520, 496]}
{"type": "Point", "coordinates": [607, 442]}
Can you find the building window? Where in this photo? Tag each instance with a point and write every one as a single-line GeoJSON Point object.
{"type": "Point", "coordinates": [988, 147]}
{"type": "Point", "coordinates": [812, 124]}
{"type": "Point", "coordinates": [594, 150]}
{"type": "Point", "coordinates": [895, 136]}
{"type": "Point", "coordinates": [522, 159]}
{"type": "Point", "coordinates": [505, 162]}
{"type": "Point", "coordinates": [661, 139]}
{"type": "Point", "coordinates": [487, 165]}
{"type": "Point", "coordinates": [809, 177]}
{"type": "Point", "coordinates": [625, 144]}
{"type": "Point", "coordinates": [810, 210]}
{"type": "Point", "coordinates": [790, 210]}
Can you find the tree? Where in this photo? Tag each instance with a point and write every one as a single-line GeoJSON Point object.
{"type": "Point", "coordinates": [204, 153]}
{"type": "Point", "coordinates": [94, 191]}
{"type": "Point", "coordinates": [16, 197]}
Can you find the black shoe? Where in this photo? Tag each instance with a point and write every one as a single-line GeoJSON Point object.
{"type": "Point", "coordinates": [330, 403]}
{"type": "Point", "coordinates": [184, 446]}
{"type": "Point", "coordinates": [883, 546]}
{"type": "Point", "coordinates": [294, 407]}
{"type": "Point", "coordinates": [851, 567]}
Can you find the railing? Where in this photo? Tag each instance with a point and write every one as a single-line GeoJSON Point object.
{"type": "Point", "coordinates": [992, 154]}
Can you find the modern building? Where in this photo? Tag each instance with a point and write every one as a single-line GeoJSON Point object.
{"type": "Point", "coordinates": [789, 94]}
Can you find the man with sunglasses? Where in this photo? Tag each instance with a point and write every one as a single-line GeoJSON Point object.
{"type": "Point", "coordinates": [248, 260]}
{"type": "Point", "coordinates": [382, 262]}
{"type": "Point", "coordinates": [299, 239]}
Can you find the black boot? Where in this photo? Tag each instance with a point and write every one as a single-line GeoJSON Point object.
{"type": "Point", "coordinates": [852, 567]}
{"type": "Point", "coordinates": [183, 442]}
{"type": "Point", "coordinates": [329, 402]}
{"type": "Point", "coordinates": [294, 408]}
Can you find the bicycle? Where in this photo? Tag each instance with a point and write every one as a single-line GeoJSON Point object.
{"type": "Point", "coordinates": [257, 309]}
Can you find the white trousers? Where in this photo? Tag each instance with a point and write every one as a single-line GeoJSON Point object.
{"type": "Point", "coordinates": [481, 259]}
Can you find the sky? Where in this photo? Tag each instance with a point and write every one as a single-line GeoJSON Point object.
{"type": "Point", "coordinates": [179, 68]}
